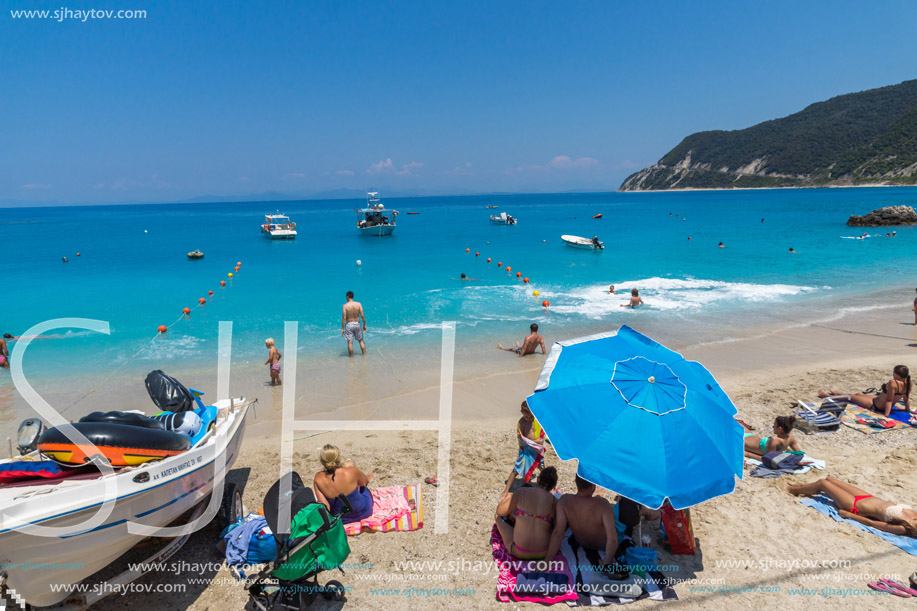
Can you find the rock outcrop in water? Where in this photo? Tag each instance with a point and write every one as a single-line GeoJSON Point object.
{"type": "Point", "coordinates": [890, 215]}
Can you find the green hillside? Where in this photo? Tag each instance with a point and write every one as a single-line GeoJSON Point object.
{"type": "Point", "coordinates": [868, 137]}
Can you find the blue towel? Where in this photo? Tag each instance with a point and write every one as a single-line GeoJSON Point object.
{"type": "Point", "coordinates": [238, 539]}
{"type": "Point", "coordinates": [826, 506]}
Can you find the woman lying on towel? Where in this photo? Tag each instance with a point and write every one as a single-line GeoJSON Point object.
{"type": "Point", "coordinates": [859, 505]}
{"type": "Point", "coordinates": [342, 477]}
{"type": "Point", "coordinates": [757, 446]}
{"type": "Point", "coordinates": [533, 509]}
{"type": "Point", "coordinates": [896, 389]}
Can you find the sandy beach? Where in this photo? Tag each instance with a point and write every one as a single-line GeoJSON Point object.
{"type": "Point", "coordinates": [757, 546]}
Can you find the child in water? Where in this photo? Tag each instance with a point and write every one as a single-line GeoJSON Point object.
{"type": "Point", "coordinates": [635, 300]}
{"type": "Point", "coordinates": [273, 359]}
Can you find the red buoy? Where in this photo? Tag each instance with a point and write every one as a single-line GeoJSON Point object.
{"type": "Point", "coordinates": [508, 269]}
{"type": "Point", "coordinates": [202, 301]}
{"type": "Point", "coordinates": [545, 303]}
{"type": "Point", "coordinates": [210, 292]}
{"type": "Point", "coordinates": [526, 280]}
{"type": "Point", "coordinates": [163, 328]}
{"type": "Point", "coordinates": [518, 274]}
{"type": "Point", "coordinates": [186, 310]}
{"type": "Point", "coordinates": [467, 250]}
{"type": "Point", "coordinates": [477, 254]}
{"type": "Point", "coordinates": [237, 268]}
{"type": "Point", "coordinates": [488, 259]}
{"type": "Point", "coordinates": [222, 283]}
{"type": "Point", "coordinates": [499, 263]}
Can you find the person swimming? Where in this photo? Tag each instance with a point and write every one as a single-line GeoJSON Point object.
{"type": "Point", "coordinates": [635, 300]}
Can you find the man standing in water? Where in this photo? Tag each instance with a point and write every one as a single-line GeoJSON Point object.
{"type": "Point", "coordinates": [350, 323]}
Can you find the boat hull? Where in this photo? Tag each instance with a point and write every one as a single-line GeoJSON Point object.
{"type": "Point", "coordinates": [376, 230]}
{"type": "Point", "coordinates": [582, 243]}
{"type": "Point", "coordinates": [175, 486]}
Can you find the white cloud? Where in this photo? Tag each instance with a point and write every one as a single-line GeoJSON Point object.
{"type": "Point", "coordinates": [35, 186]}
{"type": "Point", "coordinates": [460, 170]}
{"type": "Point", "coordinates": [344, 173]}
{"type": "Point", "coordinates": [387, 167]}
{"type": "Point", "coordinates": [294, 175]}
{"type": "Point", "coordinates": [560, 162]}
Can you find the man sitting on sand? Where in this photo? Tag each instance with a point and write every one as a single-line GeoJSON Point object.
{"type": "Point", "coordinates": [351, 315]}
{"type": "Point", "coordinates": [529, 344]}
{"type": "Point", "coordinates": [591, 518]}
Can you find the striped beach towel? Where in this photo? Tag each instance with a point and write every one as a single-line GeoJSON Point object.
{"type": "Point", "coordinates": [853, 412]}
{"type": "Point", "coordinates": [395, 508]}
{"type": "Point", "coordinates": [520, 580]}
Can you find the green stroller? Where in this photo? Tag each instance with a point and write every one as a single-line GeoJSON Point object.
{"type": "Point", "coordinates": [316, 542]}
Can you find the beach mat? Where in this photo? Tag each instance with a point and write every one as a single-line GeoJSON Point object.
{"type": "Point", "coordinates": [827, 506]}
{"type": "Point", "coordinates": [853, 412]}
{"type": "Point", "coordinates": [520, 581]}
{"type": "Point", "coordinates": [595, 589]}
{"type": "Point", "coordinates": [395, 508]}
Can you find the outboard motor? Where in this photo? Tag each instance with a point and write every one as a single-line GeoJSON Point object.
{"type": "Point", "coordinates": [167, 393]}
{"type": "Point", "coordinates": [29, 432]}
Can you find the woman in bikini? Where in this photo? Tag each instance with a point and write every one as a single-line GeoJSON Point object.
{"type": "Point", "coordinates": [859, 505]}
{"type": "Point", "coordinates": [899, 387]}
{"type": "Point", "coordinates": [339, 477]}
{"type": "Point", "coordinates": [533, 508]}
{"type": "Point", "coordinates": [757, 446]}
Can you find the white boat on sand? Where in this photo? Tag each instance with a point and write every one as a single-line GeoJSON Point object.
{"type": "Point", "coordinates": [154, 494]}
{"type": "Point", "coordinates": [580, 242]}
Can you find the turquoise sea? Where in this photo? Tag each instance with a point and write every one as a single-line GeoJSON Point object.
{"type": "Point", "coordinates": [132, 271]}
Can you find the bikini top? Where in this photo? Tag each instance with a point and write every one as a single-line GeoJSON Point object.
{"type": "Point", "coordinates": [549, 518]}
{"type": "Point", "coordinates": [884, 389]}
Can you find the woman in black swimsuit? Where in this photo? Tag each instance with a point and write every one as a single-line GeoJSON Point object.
{"type": "Point", "coordinates": [899, 387]}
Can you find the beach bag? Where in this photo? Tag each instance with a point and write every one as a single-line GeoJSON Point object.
{"type": "Point", "coordinates": [328, 551]}
{"type": "Point", "coordinates": [261, 547]}
{"type": "Point", "coordinates": [641, 559]}
{"type": "Point", "coordinates": [677, 533]}
{"type": "Point", "coordinates": [782, 460]}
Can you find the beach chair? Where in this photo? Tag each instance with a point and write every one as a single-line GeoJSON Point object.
{"type": "Point", "coordinates": [823, 419]}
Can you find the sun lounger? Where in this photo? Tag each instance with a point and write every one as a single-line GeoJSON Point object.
{"type": "Point", "coordinates": [825, 418]}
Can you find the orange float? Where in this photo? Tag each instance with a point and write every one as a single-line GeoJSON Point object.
{"type": "Point", "coordinates": [202, 301]}
{"type": "Point", "coordinates": [163, 328]}
{"type": "Point", "coordinates": [186, 310]}
{"type": "Point", "coordinates": [222, 283]}
{"type": "Point", "coordinates": [508, 269]}
{"type": "Point", "coordinates": [477, 254]}
{"type": "Point", "coordinates": [467, 250]}
{"type": "Point", "coordinates": [499, 263]}
{"type": "Point", "coordinates": [488, 259]}
{"type": "Point", "coordinates": [210, 292]}
{"type": "Point", "coordinates": [518, 274]}
{"type": "Point", "coordinates": [526, 280]}
{"type": "Point", "coordinates": [545, 303]}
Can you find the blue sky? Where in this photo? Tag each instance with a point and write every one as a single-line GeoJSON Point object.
{"type": "Point", "coordinates": [234, 98]}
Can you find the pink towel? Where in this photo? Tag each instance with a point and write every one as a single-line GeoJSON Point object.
{"type": "Point", "coordinates": [511, 568]}
{"type": "Point", "coordinates": [389, 504]}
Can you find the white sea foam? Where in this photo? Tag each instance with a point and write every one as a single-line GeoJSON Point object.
{"type": "Point", "coordinates": [669, 294]}
{"type": "Point", "coordinates": [163, 348]}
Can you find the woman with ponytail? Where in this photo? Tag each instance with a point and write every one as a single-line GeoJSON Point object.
{"type": "Point", "coordinates": [896, 389]}
{"type": "Point", "coordinates": [757, 446]}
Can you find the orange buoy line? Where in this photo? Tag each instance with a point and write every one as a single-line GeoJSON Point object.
{"type": "Point", "coordinates": [186, 312]}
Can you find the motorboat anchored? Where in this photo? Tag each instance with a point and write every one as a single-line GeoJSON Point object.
{"type": "Point", "coordinates": [374, 219]}
{"type": "Point", "coordinates": [278, 226]}
{"type": "Point", "coordinates": [580, 242]}
{"type": "Point", "coordinates": [502, 219]}
{"type": "Point", "coordinates": [195, 254]}
{"type": "Point", "coordinates": [154, 494]}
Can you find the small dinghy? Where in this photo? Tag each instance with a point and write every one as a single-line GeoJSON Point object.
{"type": "Point", "coordinates": [195, 254]}
{"type": "Point", "coordinates": [580, 242]}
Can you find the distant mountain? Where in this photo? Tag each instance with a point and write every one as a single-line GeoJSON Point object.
{"type": "Point", "coordinates": [861, 138]}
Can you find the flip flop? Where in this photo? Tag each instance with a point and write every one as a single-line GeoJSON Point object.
{"type": "Point", "coordinates": [432, 481]}
{"type": "Point", "coordinates": [899, 586]}
{"type": "Point", "coordinates": [883, 587]}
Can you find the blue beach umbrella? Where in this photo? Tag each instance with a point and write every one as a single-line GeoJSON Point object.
{"type": "Point", "coordinates": [642, 421]}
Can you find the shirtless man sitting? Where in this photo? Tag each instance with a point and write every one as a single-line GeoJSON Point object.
{"type": "Point", "coordinates": [591, 518]}
{"type": "Point", "coordinates": [351, 315]}
{"type": "Point", "coordinates": [529, 344]}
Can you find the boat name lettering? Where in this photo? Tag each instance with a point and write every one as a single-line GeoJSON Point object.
{"type": "Point", "coordinates": [177, 468]}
